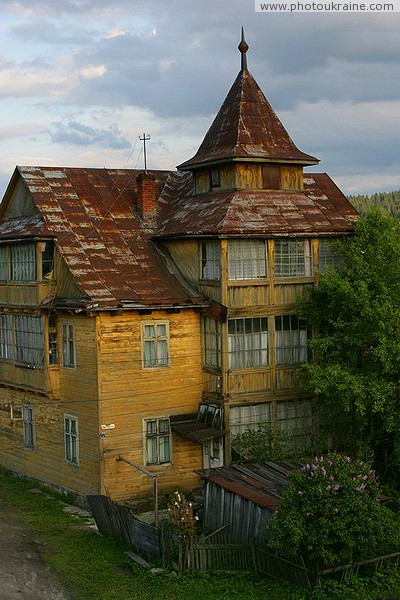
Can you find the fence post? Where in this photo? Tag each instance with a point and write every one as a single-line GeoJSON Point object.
{"type": "Point", "coordinates": [166, 544]}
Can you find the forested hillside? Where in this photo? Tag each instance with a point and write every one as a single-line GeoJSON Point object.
{"type": "Point", "coordinates": [389, 202]}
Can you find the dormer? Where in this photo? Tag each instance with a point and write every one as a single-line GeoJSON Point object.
{"type": "Point", "coordinates": [247, 147]}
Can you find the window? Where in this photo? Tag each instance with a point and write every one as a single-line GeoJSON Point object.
{"type": "Point", "coordinates": [71, 439]}
{"type": "Point", "coordinates": [295, 419]}
{"type": "Point", "coordinates": [290, 340]}
{"type": "Point", "coordinates": [247, 259]}
{"type": "Point", "coordinates": [6, 337]}
{"type": "Point", "coordinates": [158, 441]}
{"type": "Point", "coordinates": [271, 177]}
{"type": "Point", "coordinates": [155, 344]}
{"type": "Point", "coordinates": [28, 432]}
{"type": "Point", "coordinates": [214, 178]}
{"type": "Point", "coordinates": [247, 342]}
{"type": "Point", "coordinates": [68, 343]}
{"type": "Point", "coordinates": [211, 260]}
{"type": "Point", "coordinates": [29, 343]}
{"type": "Point", "coordinates": [23, 262]}
{"type": "Point", "coordinates": [3, 264]}
{"type": "Point", "coordinates": [292, 258]}
{"type": "Point", "coordinates": [47, 260]}
{"type": "Point", "coordinates": [211, 342]}
{"type": "Point", "coordinates": [52, 333]}
{"type": "Point", "coordinates": [327, 257]}
{"type": "Point", "coordinates": [249, 416]}
{"type": "Point", "coordinates": [210, 415]}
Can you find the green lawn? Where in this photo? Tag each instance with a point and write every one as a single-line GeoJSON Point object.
{"type": "Point", "coordinates": [95, 567]}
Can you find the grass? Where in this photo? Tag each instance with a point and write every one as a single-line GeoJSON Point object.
{"type": "Point", "coordinates": [95, 567]}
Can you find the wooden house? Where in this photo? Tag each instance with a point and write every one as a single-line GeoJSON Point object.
{"type": "Point", "coordinates": [150, 315]}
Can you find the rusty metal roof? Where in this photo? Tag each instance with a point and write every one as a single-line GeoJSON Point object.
{"type": "Point", "coordinates": [321, 209]}
{"type": "Point", "coordinates": [246, 127]}
{"type": "Point", "coordinates": [262, 483]}
{"type": "Point", "coordinates": [91, 213]}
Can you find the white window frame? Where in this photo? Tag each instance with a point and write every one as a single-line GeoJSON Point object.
{"type": "Point", "coordinates": [291, 340]}
{"type": "Point", "coordinates": [68, 346]}
{"type": "Point", "coordinates": [210, 260]}
{"type": "Point", "coordinates": [248, 343]}
{"type": "Point", "coordinates": [292, 258]}
{"type": "Point", "coordinates": [153, 356]}
{"type": "Point", "coordinates": [71, 439]}
{"type": "Point", "coordinates": [155, 437]}
{"type": "Point", "coordinates": [247, 259]}
{"type": "Point", "coordinates": [28, 427]}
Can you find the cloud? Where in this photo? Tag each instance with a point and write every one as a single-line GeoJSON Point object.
{"type": "Point", "coordinates": [49, 32]}
{"type": "Point", "coordinates": [79, 134]}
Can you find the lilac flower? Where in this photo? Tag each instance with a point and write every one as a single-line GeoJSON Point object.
{"type": "Point", "coordinates": [337, 487]}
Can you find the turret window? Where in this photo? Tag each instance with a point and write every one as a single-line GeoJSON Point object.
{"type": "Point", "coordinates": [210, 260]}
{"type": "Point", "coordinates": [292, 258]}
{"type": "Point", "coordinates": [247, 259]}
{"type": "Point", "coordinates": [215, 181]}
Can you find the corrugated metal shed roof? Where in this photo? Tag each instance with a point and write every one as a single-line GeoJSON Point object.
{"type": "Point", "coordinates": [262, 483]}
{"type": "Point", "coordinates": [91, 213]}
{"type": "Point", "coordinates": [321, 209]}
{"type": "Point", "coordinates": [246, 127]}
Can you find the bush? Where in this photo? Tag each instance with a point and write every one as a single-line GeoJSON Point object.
{"type": "Point", "coordinates": [331, 514]}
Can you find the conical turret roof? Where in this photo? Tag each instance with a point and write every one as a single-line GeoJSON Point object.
{"type": "Point", "coordinates": [246, 127]}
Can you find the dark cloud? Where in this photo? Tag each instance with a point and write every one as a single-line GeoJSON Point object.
{"type": "Point", "coordinates": [78, 134]}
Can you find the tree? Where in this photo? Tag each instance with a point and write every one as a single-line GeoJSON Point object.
{"type": "Point", "coordinates": [330, 514]}
{"type": "Point", "coordinates": [356, 318]}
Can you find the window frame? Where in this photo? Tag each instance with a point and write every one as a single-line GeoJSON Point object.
{"type": "Point", "coordinates": [295, 260]}
{"type": "Point", "coordinates": [68, 346]}
{"type": "Point", "coordinates": [210, 260]}
{"type": "Point", "coordinates": [256, 261]}
{"type": "Point", "coordinates": [299, 352]}
{"type": "Point", "coordinates": [241, 347]}
{"type": "Point", "coordinates": [157, 361]}
{"type": "Point", "coordinates": [327, 259]}
{"type": "Point", "coordinates": [28, 427]}
{"type": "Point", "coordinates": [71, 440]}
{"type": "Point", "coordinates": [158, 436]}
{"type": "Point", "coordinates": [212, 342]}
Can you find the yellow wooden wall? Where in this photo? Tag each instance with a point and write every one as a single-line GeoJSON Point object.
{"type": "Point", "coordinates": [130, 393]}
{"type": "Point", "coordinates": [75, 394]}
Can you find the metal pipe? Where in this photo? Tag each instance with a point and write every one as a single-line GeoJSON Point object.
{"type": "Point", "coordinates": [155, 484]}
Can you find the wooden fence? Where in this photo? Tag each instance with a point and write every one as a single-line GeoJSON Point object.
{"type": "Point", "coordinates": [216, 552]}
{"type": "Point", "coordinates": [119, 522]}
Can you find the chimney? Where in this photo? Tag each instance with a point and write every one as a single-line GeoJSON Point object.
{"type": "Point", "coordinates": [146, 194]}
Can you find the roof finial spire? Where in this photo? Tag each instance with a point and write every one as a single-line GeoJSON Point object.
{"type": "Point", "coordinates": [243, 47]}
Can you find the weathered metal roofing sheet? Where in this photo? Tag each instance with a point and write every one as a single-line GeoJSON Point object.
{"type": "Point", "coordinates": [264, 484]}
{"type": "Point", "coordinates": [246, 127]}
{"type": "Point", "coordinates": [321, 209]}
{"type": "Point", "coordinates": [106, 246]}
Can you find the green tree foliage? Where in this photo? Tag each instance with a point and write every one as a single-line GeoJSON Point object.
{"type": "Point", "coordinates": [261, 445]}
{"type": "Point", "coordinates": [356, 317]}
{"type": "Point", "coordinates": [331, 515]}
{"type": "Point", "coordinates": [388, 202]}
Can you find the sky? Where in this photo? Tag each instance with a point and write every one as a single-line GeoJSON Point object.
{"type": "Point", "coordinates": [81, 80]}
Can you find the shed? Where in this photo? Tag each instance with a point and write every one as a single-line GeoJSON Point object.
{"type": "Point", "coordinates": [242, 498]}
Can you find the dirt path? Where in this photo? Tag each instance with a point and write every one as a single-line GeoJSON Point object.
{"type": "Point", "coordinates": [23, 574]}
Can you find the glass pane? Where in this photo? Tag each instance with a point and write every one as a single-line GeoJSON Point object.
{"type": "Point", "coordinates": [151, 427]}
{"type": "Point", "coordinates": [165, 449]}
{"type": "Point", "coordinates": [163, 425]}
{"type": "Point", "coordinates": [152, 450]}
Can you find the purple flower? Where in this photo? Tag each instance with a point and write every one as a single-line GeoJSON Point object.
{"type": "Point", "coordinates": [337, 487]}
